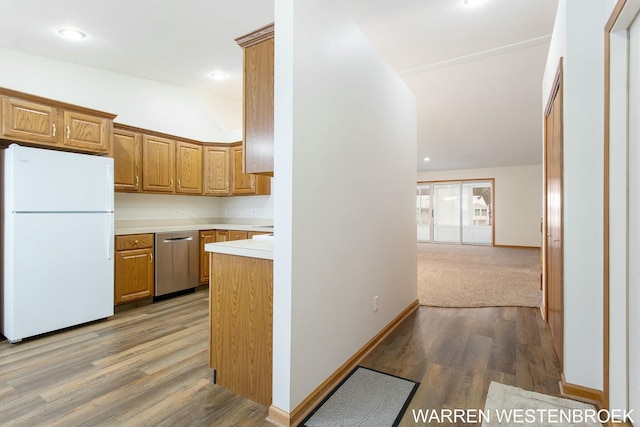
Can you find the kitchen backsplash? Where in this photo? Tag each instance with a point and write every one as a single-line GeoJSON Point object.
{"type": "Point", "coordinates": [168, 208]}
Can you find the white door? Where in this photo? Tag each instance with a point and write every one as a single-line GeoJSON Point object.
{"type": "Point", "coordinates": [54, 181]}
{"type": "Point", "coordinates": [58, 272]}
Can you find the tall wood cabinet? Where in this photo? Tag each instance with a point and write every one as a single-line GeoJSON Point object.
{"type": "Point", "coordinates": [258, 81]}
{"type": "Point", "coordinates": [134, 277]}
{"type": "Point", "coordinates": [42, 122]}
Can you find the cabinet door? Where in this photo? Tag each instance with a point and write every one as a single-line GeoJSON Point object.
{"type": "Point", "coordinates": [238, 235]}
{"type": "Point", "coordinates": [258, 107]}
{"type": "Point", "coordinates": [216, 170]}
{"type": "Point", "coordinates": [127, 156]}
{"type": "Point", "coordinates": [133, 275]}
{"type": "Point", "coordinates": [86, 132]}
{"type": "Point", "coordinates": [222, 235]}
{"type": "Point", "coordinates": [188, 168]}
{"type": "Point", "coordinates": [208, 236]}
{"type": "Point", "coordinates": [242, 183]}
{"type": "Point", "coordinates": [30, 121]}
{"type": "Point", "coordinates": [158, 164]}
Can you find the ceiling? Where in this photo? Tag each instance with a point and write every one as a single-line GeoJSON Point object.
{"type": "Point", "coordinates": [476, 70]}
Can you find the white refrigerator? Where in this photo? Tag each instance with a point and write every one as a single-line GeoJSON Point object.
{"type": "Point", "coordinates": [57, 233]}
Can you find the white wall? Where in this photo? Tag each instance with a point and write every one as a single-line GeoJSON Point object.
{"type": "Point", "coordinates": [518, 200]}
{"type": "Point", "coordinates": [131, 206]}
{"type": "Point", "coordinates": [137, 102]}
{"type": "Point", "coordinates": [578, 35]}
{"type": "Point", "coordinates": [345, 195]}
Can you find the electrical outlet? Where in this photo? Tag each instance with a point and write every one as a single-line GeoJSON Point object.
{"type": "Point", "coordinates": [375, 303]}
{"type": "Point", "coordinates": [177, 212]}
{"type": "Point", "coordinates": [253, 212]}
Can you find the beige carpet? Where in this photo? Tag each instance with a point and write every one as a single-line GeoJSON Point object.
{"type": "Point", "coordinates": [478, 276]}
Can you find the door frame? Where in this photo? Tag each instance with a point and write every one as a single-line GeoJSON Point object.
{"type": "Point", "coordinates": [616, 332]}
{"type": "Point", "coordinates": [556, 89]}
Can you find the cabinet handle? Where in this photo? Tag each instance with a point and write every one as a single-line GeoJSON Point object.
{"type": "Point", "coordinates": [68, 132]}
{"type": "Point", "coordinates": [136, 180]}
{"type": "Point", "coordinates": [136, 242]}
{"type": "Point", "coordinates": [150, 257]}
{"type": "Point", "coordinates": [54, 129]}
{"type": "Point", "coordinates": [178, 183]}
{"type": "Point", "coordinates": [171, 182]}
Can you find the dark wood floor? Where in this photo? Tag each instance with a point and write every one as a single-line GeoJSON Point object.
{"type": "Point", "coordinates": [147, 366]}
{"type": "Point", "coordinates": [455, 353]}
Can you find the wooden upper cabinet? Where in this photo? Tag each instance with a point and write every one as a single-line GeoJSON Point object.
{"type": "Point", "coordinates": [87, 132]}
{"type": "Point", "coordinates": [40, 121]}
{"type": "Point", "coordinates": [258, 81]}
{"type": "Point", "coordinates": [216, 170]}
{"type": "Point", "coordinates": [188, 168]}
{"type": "Point", "coordinates": [158, 166]}
{"type": "Point", "coordinates": [25, 120]}
{"type": "Point", "coordinates": [242, 183]}
{"type": "Point", "coordinates": [127, 160]}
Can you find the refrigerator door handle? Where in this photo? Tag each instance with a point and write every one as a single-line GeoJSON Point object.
{"type": "Point", "coordinates": [110, 236]}
{"type": "Point", "coordinates": [110, 187]}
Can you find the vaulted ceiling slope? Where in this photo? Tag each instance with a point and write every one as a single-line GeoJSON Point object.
{"type": "Point", "coordinates": [476, 70]}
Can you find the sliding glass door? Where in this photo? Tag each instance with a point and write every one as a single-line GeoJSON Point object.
{"type": "Point", "coordinates": [455, 212]}
{"type": "Point", "coordinates": [476, 213]}
{"type": "Point", "coordinates": [423, 212]}
{"type": "Point", "coordinates": [446, 213]}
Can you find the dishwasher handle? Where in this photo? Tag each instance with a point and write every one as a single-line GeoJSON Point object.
{"type": "Point", "coordinates": [177, 239]}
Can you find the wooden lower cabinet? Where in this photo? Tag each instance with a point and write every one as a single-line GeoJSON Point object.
{"type": "Point", "coordinates": [206, 236]}
{"type": "Point", "coordinates": [238, 235]}
{"type": "Point", "coordinates": [241, 330]}
{"type": "Point", "coordinates": [133, 268]}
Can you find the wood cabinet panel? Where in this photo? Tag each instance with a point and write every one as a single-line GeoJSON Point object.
{"type": "Point", "coordinates": [158, 165]}
{"type": "Point", "coordinates": [127, 159]}
{"type": "Point", "coordinates": [258, 81]}
{"type": "Point", "coordinates": [87, 132]}
{"type": "Point", "coordinates": [206, 236]}
{"type": "Point", "coordinates": [134, 277]}
{"type": "Point", "coordinates": [134, 241]}
{"type": "Point", "coordinates": [238, 235]}
{"type": "Point", "coordinates": [30, 121]}
{"type": "Point", "coordinates": [188, 168]}
{"type": "Point", "coordinates": [216, 170]}
{"type": "Point", "coordinates": [222, 235]}
{"type": "Point", "coordinates": [241, 330]}
{"type": "Point", "coordinates": [241, 183]}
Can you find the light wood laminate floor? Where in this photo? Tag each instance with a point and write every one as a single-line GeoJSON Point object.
{"type": "Point", "coordinates": [147, 366]}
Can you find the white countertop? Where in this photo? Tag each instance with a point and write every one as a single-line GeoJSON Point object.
{"type": "Point", "coordinates": [253, 248]}
{"type": "Point", "coordinates": [142, 229]}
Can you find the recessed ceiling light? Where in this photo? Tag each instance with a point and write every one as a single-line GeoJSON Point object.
{"type": "Point", "coordinates": [473, 2]}
{"type": "Point", "coordinates": [70, 34]}
{"type": "Point", "coordinates": [218, 75]}
{"type": "Point", "coordinates": [426, 159]}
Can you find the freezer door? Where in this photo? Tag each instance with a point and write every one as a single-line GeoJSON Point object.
{"type": "Point", "coordinates": [40, 180]}
{"type": "Point", "coordinates": [58, 272]}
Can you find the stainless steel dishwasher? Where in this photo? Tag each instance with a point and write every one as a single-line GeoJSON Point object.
{"type": "Point", "coordinates": [177, 262]}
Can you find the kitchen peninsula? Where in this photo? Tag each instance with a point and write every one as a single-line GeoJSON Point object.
{"type": "Point", "coordinates": [241, 316]}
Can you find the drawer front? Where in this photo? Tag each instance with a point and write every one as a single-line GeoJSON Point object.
{"type": "Point", "coordinates": [238, 235]}
{"type": "Point", "coordinates": [134, 241]}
